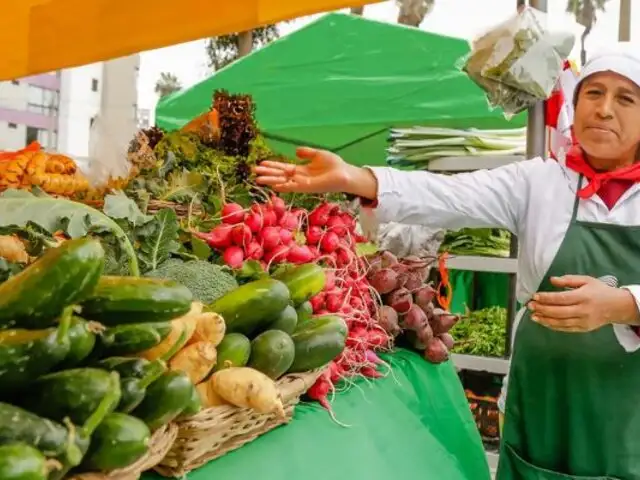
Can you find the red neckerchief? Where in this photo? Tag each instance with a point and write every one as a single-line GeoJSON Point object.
{"type": "Point", "coordinates": [576, 161]}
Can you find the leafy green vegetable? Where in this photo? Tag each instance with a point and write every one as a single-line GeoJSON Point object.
{"type": "Point", "coordinates": [477, 241]}
{"type": "Point", "coordinates": [159, 239]}
{"type": "Point", "coordinates": [9, 269]}
{"type": "Point", "coordinates": [57, 214]}
{"type": "Point", "coordinates": [37, 238]}
{"type": "Point", "coordinates": [481, 332]}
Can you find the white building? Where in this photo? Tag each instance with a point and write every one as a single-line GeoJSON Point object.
{"type": "Point", "coordinates": [59, 109]}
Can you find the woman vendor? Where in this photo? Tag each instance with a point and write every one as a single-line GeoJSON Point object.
{"type": "Point", "coordinates": [573, 403]}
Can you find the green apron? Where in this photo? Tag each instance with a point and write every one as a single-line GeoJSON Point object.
{"type": "Point", "coordinates": [573, 400]}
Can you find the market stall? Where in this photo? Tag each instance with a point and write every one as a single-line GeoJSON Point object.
{"type": "Point", "coordinates": [179, 318]}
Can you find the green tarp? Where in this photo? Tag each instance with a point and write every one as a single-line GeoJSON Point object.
{"type": "Point", "coordinates": [341, 82]}
{"type": "Point", "coordinates": [415, 425]}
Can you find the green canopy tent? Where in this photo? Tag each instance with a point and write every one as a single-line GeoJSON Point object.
{"type": "Point", "coordinates": [341, 82]}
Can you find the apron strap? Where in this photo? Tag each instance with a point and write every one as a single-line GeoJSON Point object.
{"type": "Point", "coordinates": [576, 202]}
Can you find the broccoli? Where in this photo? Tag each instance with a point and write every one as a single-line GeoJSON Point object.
{"type": "Point", "coordinates": [207, 281]}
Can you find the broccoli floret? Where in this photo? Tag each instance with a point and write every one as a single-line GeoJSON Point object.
{"type": "Point", "coordinates": [207, 281]}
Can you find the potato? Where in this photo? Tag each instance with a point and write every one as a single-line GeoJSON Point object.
{"type": "Point", "coordinates": [210, 327]}
{"type": "Point", "coordinates": [249, 388]}
{"type": "Point", "coordinates": [182, 330]}
{"type": "Point", "coordinates": [208, 396]}
{"type": "Point", "coordinates": [196, 360]}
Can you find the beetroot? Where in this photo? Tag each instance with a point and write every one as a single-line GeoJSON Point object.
{"type": "Point", "coordinates": [400, 300]}
{"type": "Point", "coordinates": [232, 213]}
{"type": "Point", "coordinates": [415, 319]}
{"type": "Point", "coordinates": [384, 281]}
{"type": "Point", "coordinates": [233, 256]}
{"type": "Point", "coordinates": [448, 340]}
{"type": "Point", "coordinates": [388, 259]}
{"type": "Point", "coordinates": [436, 351]}
{"type": "Point", "coordinates": [413, 280]}
{"type": "Point", "coordinates": [425, 334]}
{"type": "Point", "coordinates": [388, 320]}
{"type": "Point", "coordinates": [442, 321]}
{"type": "Point", "coordinates": [424, 297]}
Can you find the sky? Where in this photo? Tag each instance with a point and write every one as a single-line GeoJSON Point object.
{"type": "Point", "coordinates": [459, 18]}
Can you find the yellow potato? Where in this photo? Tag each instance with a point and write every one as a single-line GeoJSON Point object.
{"type": "Point", "coordinates": [208, 396]}
{"type": "Point", "coordinates": [249, 388]}
{"type": "Point", "coordinates": [210, 328]}
{"type": "Point", "coordinates": [196, 360]}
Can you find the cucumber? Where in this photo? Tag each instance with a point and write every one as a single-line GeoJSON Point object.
{"type": "Point", "coordinates": [118, 441]}
{"type": "Point", "coordinates": [125, 366]}
{"type": "Point", "coordinates": [49, 437]}
{"type": "Point", "coordinates": [19, 461]}
{"type": "Point", "coordinates": [233, 351]}
{"type": "Point", "coordinates": [62, 276]}
{"type": "Point", "coordinates": [75, 393]}
{"type": "Point", "coordinates": [252, 305]}
{"type": "Point", "coordinates": [166, 398]}
{"type": "Point", "coordinates": [286, 321]}
{"type": "Point", "coordinates": [134, 388]}
{"type": "Point", "coordinates": [305, 312]}
{"type": "Point", "coordinates": [303, 282]}
{"type": "Point", "coordinates": [319, 342]}
{"type": "Point", "coordinates": [194, 405]}
{"type": "Point", "coordinates": [272, 353]}
{"type": "Point", "coordinates": [132, 338]}
{"type": "Point", "coordinates": [120, 300]}
{"type": "Point", "coordinates": [27, 354]}
{"type": "Point", "coordinates": [81, 342]}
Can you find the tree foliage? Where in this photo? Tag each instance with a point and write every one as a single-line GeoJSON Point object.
{"type": "Point", "coordinates": [586, 13]}
{"type": "Point", "coordinates": [223, 50]}
{"type": "Point", "coordinates": [167, 84]}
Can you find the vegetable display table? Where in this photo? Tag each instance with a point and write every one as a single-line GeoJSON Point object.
{"type": "Point", "coordinates": [414, 424]}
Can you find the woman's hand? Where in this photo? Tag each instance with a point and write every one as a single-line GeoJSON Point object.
{"type": "Point", "coordinates": [587, 305]}
{"type": "Point", "coordinates": [323, 172]}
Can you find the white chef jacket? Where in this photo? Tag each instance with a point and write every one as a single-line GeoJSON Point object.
{"type": "Point", "coordinates": [533, 199]}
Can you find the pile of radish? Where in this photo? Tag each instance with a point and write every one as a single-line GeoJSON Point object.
{"type": "Point", "coordinates": [271, 233]}
{"type": "Point", "coordinates": [408, 304]}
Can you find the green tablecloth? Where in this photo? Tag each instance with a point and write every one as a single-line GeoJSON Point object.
{"type": "Point", "coordinates": [415, 424]}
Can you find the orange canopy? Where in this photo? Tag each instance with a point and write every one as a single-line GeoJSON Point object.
{"type": "Point", "coordinates": [39, 36]}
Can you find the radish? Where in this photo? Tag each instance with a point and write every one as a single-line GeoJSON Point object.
{"type": "Point", "coordinates": [219, 237]}
{"type": "Point", "coordinates": [320, 215]}
{"type": "Point", "coordinates": [371, 357]}
{"type": "Point", "coordinates": [277, 254]}
{"type": "Point", "coordinates": [270, 237]}
{"type": "Point", "coordinates": [314, 251]}
{"type": "Point", "coordinates": [232, 213]}
{"type": "Point", "coordinates": [254, 250]}
{"type": "Point", "coordinates": [330, 280]}
{"type": "Point", "coordinates": [233, 256]}
{"type": "Point", "coordinates": [269, 218]}
{"type": "Point", "coordinates": [278, 205]}
{"type": "Point", "coordinates": [334, 302]}
{"type": "Point", "coordinates": [288, 221]}
{"type": "Point", "coordinates": [330, 242]}
{"type": "Point", "coordinates": [241, 235]}
{"type": "Point", "coordinates": [370, 372]}
{"type": "Point", "coordinates": [314, 234]}
{"type": "Point", "coordinates": [286, 236]}
{"type": "Point", "coordinates": [317, 302]}
{"type": "Point", "coordinates": [299, 254]}
{"type": "Point", "coordinates": [254, 222]}
{"type": "Point", "coordinates": [377, 338]}
{"type": "Point", "coordinates": [336, 225]}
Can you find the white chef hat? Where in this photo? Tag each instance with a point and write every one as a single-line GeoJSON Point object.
{"type": "Point", "coordinates": [621, 59]}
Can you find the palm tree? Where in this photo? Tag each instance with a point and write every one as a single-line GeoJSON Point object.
{"type": "Point", "coordinates": [412, 12]}
{"type": "Point", "coordinates": [585, 12]}
{"type": "Point", "coordinates": [357, 10]}
{"type": "Point", "coordinates": [167, 84]}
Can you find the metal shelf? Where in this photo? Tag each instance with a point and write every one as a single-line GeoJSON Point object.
{"type": "Point", "coordinates": [499, 366]}
{"type": "Point", "coordinates": [483, 264]}
{"type": "Point", "coordinates": [470, 163]}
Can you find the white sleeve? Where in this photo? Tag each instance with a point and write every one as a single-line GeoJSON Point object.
{"type": "Point", "coordinates": [627, 337]}
{"type": "Point", "coordinates": [484, 198]}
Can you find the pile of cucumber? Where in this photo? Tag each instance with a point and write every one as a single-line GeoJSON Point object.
{"type": "Point", "coordinates": [67, 404]}
{"type": "Point", "coordinates": [269, 324]}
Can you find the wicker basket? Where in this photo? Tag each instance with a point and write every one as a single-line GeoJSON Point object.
{"type": "Point", "coordinates": [219, 430]}
{"type": "Point", "coordinates": [160, 443]}
{"type": "Point", "coordinates": [487, 416]}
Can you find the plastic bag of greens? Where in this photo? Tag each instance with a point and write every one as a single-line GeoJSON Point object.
{"type": "Point", "coordinates": [518, 62]}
